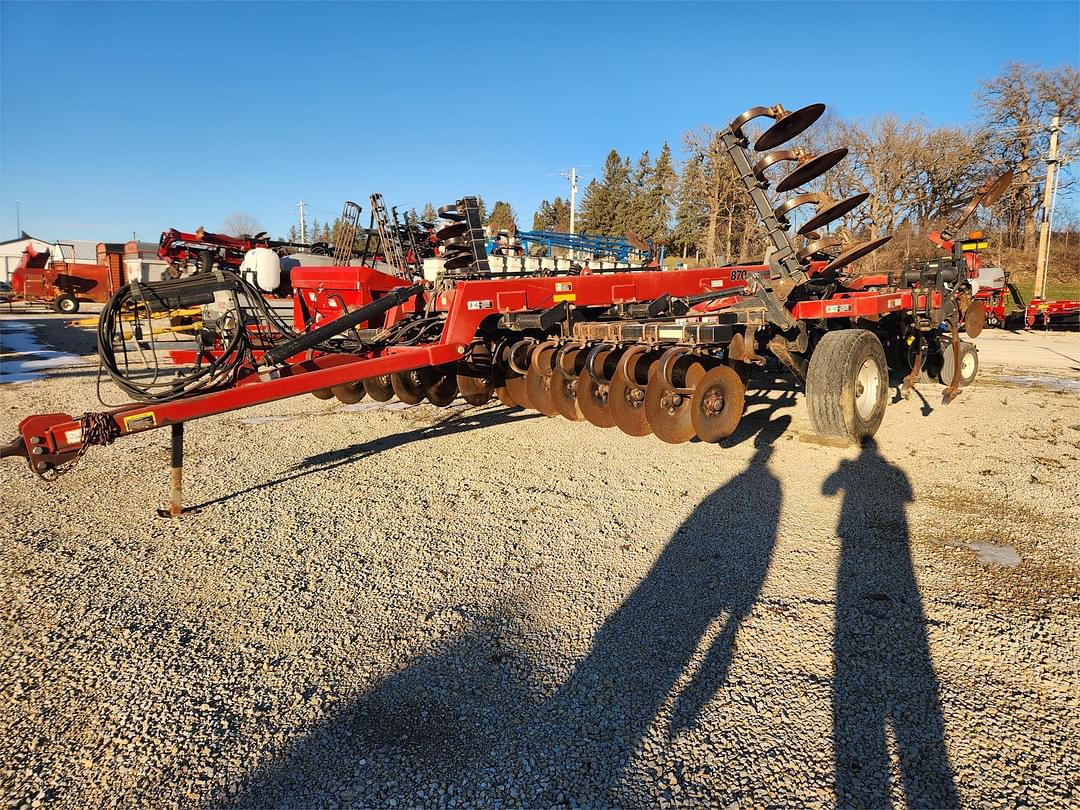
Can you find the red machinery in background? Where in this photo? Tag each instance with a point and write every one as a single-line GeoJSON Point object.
{"type": "Point", "coordinates": [202, 250]}
{"type": "Point", "coordinates": [64, 285]}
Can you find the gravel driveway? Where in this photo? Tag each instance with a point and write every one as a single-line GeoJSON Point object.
{"type": "Point", "coordinates": [379, 607]}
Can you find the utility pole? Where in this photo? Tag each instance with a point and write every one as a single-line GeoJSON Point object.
{"type": "Point", "coordinates": [572, 177]}
{"type": "Point", "coordinates": [303, 229]}
{"type": "Point", "coordinates": [1048, 199]}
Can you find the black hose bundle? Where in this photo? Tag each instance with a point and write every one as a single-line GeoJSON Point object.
{"type": "Point", "coordinates": [137, 304]}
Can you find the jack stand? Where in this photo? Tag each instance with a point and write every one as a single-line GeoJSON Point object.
{"type": "Point", "coordinates": [176, 474]}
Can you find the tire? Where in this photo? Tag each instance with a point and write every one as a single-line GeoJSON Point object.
{"type": "Point", "coordinates": [847, 384]}
{"type": "Point", "coordinates": [969, 364]}
{"type": "Point", "coordinates": [67, 304]}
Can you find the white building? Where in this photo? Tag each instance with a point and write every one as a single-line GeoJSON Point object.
{"type": "Point", "coordinates": [11, 253]}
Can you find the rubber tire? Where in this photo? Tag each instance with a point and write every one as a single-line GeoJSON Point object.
{"type": "Point", "coordinates": [966, 350]}
{"type": "Point", "coordinates": [66, 304]}
{"type": "Point", "coordinates": [830, 384]}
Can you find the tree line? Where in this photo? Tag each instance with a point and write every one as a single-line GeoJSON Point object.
{"type": "Point", "coordinates": [917, 175]}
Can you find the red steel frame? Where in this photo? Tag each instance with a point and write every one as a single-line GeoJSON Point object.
{"type": "Point", "coordinates": [467, 305]}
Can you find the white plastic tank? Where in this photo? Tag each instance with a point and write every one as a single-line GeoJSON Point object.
{"type": "Point", "coordinates": [262, 267]}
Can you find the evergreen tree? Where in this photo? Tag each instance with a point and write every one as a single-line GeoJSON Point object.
{"type": "Point", "coordinates": [606, 204]}
{"type": "Point", "coordinates": [313, 231]}
{"type": "Point", "coordinates": [552, 216]}
{"type": "Point", "coordinates": [429, 215]}
{"type": "Point", "coordinates": [294, 234]}
{"type": "Point", "coordinates": [692, 210]}
{"type": "Point", "coordinates": [502, 218]}
{"type": "Point", "coordinates": [639, 216]}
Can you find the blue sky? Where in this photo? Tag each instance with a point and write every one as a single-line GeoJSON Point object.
{"type": "Point", "coordinates": [138, 117]}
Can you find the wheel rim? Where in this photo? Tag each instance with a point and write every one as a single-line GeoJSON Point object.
{"type": "Point", "coordinates": [967, 365]}
{"type": "Point", "coordinates": [867, 387]}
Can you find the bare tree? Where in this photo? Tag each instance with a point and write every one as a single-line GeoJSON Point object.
{"type": "Point", "coordinates": [241, 224]}
{"type": "Point", "coordinates": [1017, 107]}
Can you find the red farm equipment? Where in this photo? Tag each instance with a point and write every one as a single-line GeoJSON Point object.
{"type": "Point", "coordinates": [644, 350]}
{"type": "Point", "coordinates": [42, 277]}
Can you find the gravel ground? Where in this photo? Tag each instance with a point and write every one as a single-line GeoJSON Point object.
{"type": "Point", "coordinates": [459, 607]}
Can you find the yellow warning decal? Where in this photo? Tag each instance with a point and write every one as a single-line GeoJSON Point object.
{"type": "Point", "coordinates": [139, 421]}
{"type": "Point", "coordinates": [564, 297]}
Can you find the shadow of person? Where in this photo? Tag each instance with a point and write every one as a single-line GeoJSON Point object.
{"type": "Point", "coordinates": [698, 592]}
{"type": "Point", "coordinates": [884, 677]}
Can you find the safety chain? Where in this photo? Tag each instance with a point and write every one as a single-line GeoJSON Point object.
{"type": "Point", "coordinates": [96, 428]}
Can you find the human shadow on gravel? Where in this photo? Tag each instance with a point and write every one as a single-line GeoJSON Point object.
{"type": "Point", "coordinates": [469, 419]}
{"type": "Point", "coordinates": [884, 674]}
{"type": "Point", "coordinates": [467, 718]}
{"type": "Point", "coordinates": [698, 593]}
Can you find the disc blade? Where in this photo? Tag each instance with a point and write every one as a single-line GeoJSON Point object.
{"type": "Point", "coordinates": [975, 318]}
{"type": "Point", "coordinates": [538, 386]}
{"type": "Point", "coordinates": [349, 393]}
{"type": "Point", "coordinates": [997, 188]}
{"type": "Point", "coordinates": [669, 412]}
{"type": "Point", "coordinates": [564, 390]}
{"type": "Point", "coordinates": [503, 393]}
{"type": "Point", "coordinates": [592, 397]}
{"type": "Point", "coordinates": [452, 231]}
{"type": "Point", "coordinates": [786, 128]}
{"type": "Point", "coordinates": [379, 388]}
{"type": "Point", "coordinates": [475, 390]}
{"type": "Point", "coordinates": [830, 212]}
{"type": "Point", "coordinates": [717, 404]}
{"type": "Point", "coordinates": [440, 384]}
{"type": "Point", "coordinates": [813, 168]}
{"type": "Point", "coordinates": [407, 387]}
{"type": "Point", "coordinates": [323, 393]}
{"type": "Point", "coordinates": [856, 251]}
{"type": "Point", "coordinates": [626, 401]}
{"type": "Point", "coordinates": [515, 385]}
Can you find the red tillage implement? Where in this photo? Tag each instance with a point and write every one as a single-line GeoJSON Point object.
{"type": "Point", "coordinates": [646, 350]}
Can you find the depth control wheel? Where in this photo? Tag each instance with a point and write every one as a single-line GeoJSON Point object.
{"type": "Point", "coordinates": [969, 364]}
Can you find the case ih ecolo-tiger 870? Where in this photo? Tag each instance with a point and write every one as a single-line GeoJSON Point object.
{"type": "Point", "coordinates": [643, 350]}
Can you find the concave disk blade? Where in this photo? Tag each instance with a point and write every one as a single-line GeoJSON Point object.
{"type": "Point", "coordinates": [626, 402]}
{"type": "Point", "coordinates": [503, 393]}
{"type": "Point", "coordinates": [539, 385]}
{"type": "Point", "coordinates": [475, 390]}
{"type": "Point", "coordinates": [669, 413]}
{"type": "Point", "coordinates": [407, 387]}
{"type": "Point", "coordinates": [717, 404]}
{"type": "Point", "coordinates": [827, 214]}
{"type": "Point", "coordinates": [815, 167]}
{"type": "Point", "coordinates": [449, 212]}
{"type": "Point", "coordinates": [997, 188]}
{"type": "Point", "coordinates": [323, 393]}
{"type": "Point", "coordinates": [515, 385]}
{"type": "Point", "coordinates": [856, 251]}
{"type": "Point", "coordinates": [593, 398]}
{"type": "Point", "coordinates": [440, 384]}
{"type": "Point", "coordinates": [789, 126]}
{"type": "Point", "coordinates": [975, 318]}
{"type": "Point", "coordinates": [379, 388]}
{"type": "Point", "coordinates": [349, 393]}
{"type": "Point", "coordinates": [564, 391]}
{"type": "Point", "coordinates": [451, 231]}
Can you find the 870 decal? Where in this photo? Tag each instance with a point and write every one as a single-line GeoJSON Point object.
{"type": "Point", "coordinates": [738, 275]}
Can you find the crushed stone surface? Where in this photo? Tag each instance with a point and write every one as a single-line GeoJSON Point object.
{"type": "Point", "coordinates": [372, 607]}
